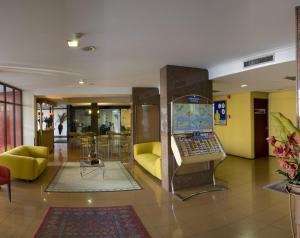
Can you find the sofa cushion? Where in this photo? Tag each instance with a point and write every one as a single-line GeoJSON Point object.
{"type": "Point", "coordinates": [42, 164]}
{"type": "Point", "coordinates": [156, 148]}
{"type": "Point", "coordinates": [20, 150]}
{"type": "Point", "coordinates": [151, 162]}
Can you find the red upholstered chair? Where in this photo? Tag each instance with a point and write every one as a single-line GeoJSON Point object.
{"type": "Point", "coordinates": [5, 179]}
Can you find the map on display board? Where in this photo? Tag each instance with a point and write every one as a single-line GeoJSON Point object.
{"type": "Point", "coordinates": [192, 117]}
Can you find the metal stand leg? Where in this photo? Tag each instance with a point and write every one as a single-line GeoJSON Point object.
{"type": "Point", "coordinates": [214, 187]}
{"type": "Point", "coordinates": [9, 191]}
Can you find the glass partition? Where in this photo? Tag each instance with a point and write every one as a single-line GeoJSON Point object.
{"type": "Point", "coordinates": [10, 117]}
{"type": "Point", "coordinates": [18, 124]}
{"type": "Point", "coordinates": [9, 94]}
{"type": "Point", "coordinates": [2, 93]}
{"type": "Point", "coordinates": [82, 120]}
{"type": "Point", "coordinates": [18, 96]}
{"type": "Point", "coordinates": [2, 131]}
{"type": "Point", "coordinates": [109, 120]}
{"type": "Point", "coordinates": [10, 126]}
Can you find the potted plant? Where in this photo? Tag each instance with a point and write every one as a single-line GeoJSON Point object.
{"type": "Point", "coordinates": [48, 121]}
{"type": "Point", "coordinates": [286, 148]}
{"type": "Point", "coordinates": [61, 119]}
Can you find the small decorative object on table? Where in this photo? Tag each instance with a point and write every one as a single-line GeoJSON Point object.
{"type": "Point", "coordinates": [95, 161]}
{"type": "Point", "coordinates": [92, 155]}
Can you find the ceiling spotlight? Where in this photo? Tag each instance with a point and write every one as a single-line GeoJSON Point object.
{"type": "Point", "coordinates": [244, 85]}
{"type": "Point", "coordinates": [74, 42]}
{"type": "Point", "coordinates": [81, 82]}
{"type": "Point", "coordinates": [89, 48]}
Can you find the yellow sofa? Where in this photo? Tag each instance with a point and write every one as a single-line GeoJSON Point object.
{"type": "Point", "coordinates": [25, 162]}
{"type": "Point", "coordinates": [148, 155]}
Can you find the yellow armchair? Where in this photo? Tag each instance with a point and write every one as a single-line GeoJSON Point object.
{"type": "Point", "coordinates": [26, 162]}
{"type": "Point", "coordinates": [148, 155]}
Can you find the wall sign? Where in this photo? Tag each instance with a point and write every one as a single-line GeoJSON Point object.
{"type": "Point", "coordinates": [220, 112]}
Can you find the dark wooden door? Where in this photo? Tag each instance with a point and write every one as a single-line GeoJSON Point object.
{"type": "Point", "coordinates": [261, 127]}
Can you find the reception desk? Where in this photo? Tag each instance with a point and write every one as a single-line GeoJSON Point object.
{"type": "Point", "coordinates": [46, 138]}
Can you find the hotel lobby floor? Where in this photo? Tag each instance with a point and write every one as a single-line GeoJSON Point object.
{"type": "Point", "coordinates": [245, 210]}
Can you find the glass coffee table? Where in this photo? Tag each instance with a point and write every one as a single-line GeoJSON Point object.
{"type": "Point", "coordinates": [86, 167]}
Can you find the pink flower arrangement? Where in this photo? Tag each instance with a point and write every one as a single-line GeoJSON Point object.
{"type": "Point", "coordinates": [287, 154]}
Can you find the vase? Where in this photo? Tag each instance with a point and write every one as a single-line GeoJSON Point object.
{"type": "Point", "coordinates": [293, 188]}
{"type": "Point", "coordinates": [60, 128]}
{"type": "Point", "coordinates": [294, 191]}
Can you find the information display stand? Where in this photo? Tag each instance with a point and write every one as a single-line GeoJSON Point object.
{"type": "Point", "coordinates": [193, 140]}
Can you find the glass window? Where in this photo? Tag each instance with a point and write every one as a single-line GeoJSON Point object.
{"type": "Point", "coordinates": [18, 125]}
{"type": "Point", "coordinates": [9, 95]}
{"type": "Point", "coordinates": [17, 96]}
{"type": "Point", "coordinates": [109, 120]}
{"type": "Point", "coordinates": [2, 136]}
{"type": "Point", "coordinates": [82, 120]}
{"type": "Point", "coordinates": [10, 117]}
{"type": "Point", "coordinates": [1, 92]}
{"type": "Point", "coordinates": [10, 126]}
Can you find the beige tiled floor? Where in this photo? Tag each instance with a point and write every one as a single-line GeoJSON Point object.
{"type": "Point", "coordinates": [244, 211]}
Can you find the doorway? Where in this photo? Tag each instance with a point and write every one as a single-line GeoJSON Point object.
{"type": "Point", "coordinates": [261, 129]}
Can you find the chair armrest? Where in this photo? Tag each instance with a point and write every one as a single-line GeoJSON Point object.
{"type": "Point", "coordinates": [38, 151]}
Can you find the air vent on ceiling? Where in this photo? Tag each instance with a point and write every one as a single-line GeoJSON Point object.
{"type": "Point", "coordinates": [217, 91]}
{"type": "Point", "coordinates": [257, 61]}
{"type": "Point", "coordinates": [291, 78]}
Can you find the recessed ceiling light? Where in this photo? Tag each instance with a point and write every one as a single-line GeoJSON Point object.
{"type": "Point", "coordinates": [73, 43]}
{"type": "Point", "coordinates": [81, 82]}
{"type": "Point", "coordinates": [244, 85]}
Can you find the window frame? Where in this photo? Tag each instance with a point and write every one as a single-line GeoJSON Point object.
{"type": "Point", "coordinates": [14, 112]}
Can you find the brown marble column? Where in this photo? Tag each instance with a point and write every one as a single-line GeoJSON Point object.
{"type": "Point", "coordinates": [145, 115]}
{"type": "Point", "coordinates": [94, 118]}
{"type": "Point", "coordinates": [176, 81]}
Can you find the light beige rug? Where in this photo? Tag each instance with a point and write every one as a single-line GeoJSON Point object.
{"type": "Point", "coordinates": [116, 178]}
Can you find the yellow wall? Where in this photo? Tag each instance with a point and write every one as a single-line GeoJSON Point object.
{"type": "Point", "coordinates": [236, 136]}
{"type": "Point", "coordinates": [284, 102]}
{"type": "Point", "coordinates": [126, 118]}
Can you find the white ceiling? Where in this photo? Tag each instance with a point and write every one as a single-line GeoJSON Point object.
{"type": "Point", "coordinates": [134, 39]}
{"type": "Point", "coordinates": [266, 79]}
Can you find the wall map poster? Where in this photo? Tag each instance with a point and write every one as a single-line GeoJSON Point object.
{"type": "Point", "coordinates": [220, 112]}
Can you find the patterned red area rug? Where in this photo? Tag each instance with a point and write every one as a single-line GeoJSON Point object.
{"type": "Point", "coordinates": [105, 222]}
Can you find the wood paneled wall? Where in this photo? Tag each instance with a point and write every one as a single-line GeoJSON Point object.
{"type": "Point", "coordinates": [145, 115]}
